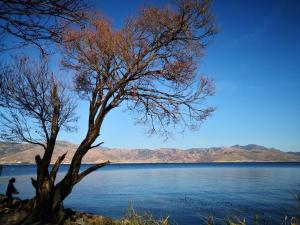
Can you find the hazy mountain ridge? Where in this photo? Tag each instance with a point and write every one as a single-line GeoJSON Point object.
{"type": "Point", "coordinates": [25, 153]}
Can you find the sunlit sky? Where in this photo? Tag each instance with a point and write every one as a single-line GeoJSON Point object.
{"type": "Point", "coordinates": [255, 62]}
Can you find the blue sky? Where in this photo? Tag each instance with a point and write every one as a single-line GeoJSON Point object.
{"type": "Point", "coordinates": [255, 62]}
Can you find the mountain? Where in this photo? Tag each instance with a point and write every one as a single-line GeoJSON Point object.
{"type": "Point", "coordinates": [25, 153]}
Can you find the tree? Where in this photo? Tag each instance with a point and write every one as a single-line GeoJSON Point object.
{"type": "Point", "coordinates": [34, 107]}
{"type": "Point", "coordinates": [150, 65]}
{"type": "Point", "coordinates": [37, 22]}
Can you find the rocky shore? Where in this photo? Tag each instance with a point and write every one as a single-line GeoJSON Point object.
{"type": "Point", "coordinates": [71, 218]}
{"type": "Point", "coordinates": [77, 218]}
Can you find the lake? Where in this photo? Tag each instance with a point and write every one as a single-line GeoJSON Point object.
{"type": "Point", "coordinates": [186, 192]}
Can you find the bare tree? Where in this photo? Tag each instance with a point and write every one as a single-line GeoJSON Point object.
{"type": "Point", "coordinates": [34, 107]}
{"type": "Point", "coordinates": [150, 65]}
{"type": "Point", "coordinates": [37, 22]}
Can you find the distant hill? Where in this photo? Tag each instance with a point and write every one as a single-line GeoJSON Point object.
{"type": "Point", "coordinates": [25, 153]}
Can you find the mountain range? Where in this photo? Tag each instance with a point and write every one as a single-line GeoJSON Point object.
{"type": "Point", "coordinates": [25, 153]}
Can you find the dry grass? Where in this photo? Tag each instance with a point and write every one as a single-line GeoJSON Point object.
{"type": "Point", "coordinates": [131, 218]}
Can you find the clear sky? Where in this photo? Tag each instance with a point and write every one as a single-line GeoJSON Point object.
{"type": "Point", "coordinates": [255, 62]}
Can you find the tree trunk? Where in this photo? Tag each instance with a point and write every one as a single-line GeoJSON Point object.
{"type": "Point", "coordinates": [46, 207]}
{"type": "Point", "coordinates": [46, 203]}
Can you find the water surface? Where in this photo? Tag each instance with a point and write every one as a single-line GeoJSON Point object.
{"type": "Point", "coordinates": [185, 192]}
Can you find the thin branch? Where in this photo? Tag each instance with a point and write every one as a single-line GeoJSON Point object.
{"type": "Point", "coordinates": [90, 170]}
{"type": "Point", "coordinates": [34, 182]}
{"type": "Point", "coordinates": [97, 145]}
{"type": "Point", "coordinates": [56, 165]}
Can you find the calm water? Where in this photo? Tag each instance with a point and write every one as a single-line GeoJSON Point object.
{"type": "Point", "coordinates": [186, 192]}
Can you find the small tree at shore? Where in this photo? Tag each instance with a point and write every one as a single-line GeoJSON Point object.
{"type": "Point", "coordinates": [34, 108]}
{"type": "Point", "coordinates": [149, 65]}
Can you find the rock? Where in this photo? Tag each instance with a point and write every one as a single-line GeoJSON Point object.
{"type": "Point", "coordinates": [72, 218]}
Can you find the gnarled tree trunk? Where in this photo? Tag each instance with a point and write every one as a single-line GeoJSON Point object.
{"type": "Point", "coordinates": [48, 203]}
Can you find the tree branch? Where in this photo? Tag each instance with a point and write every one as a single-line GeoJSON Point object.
{"type": "Point", "coordinates": [97, 145]}
{"type": "Point", "coordinates": [39, 22]}
{"type": "Point", "coordinates": [90, 170]}
{"type": "Point", "coordinates": [34, 183]}
{"type": "Point", "coordinates": [56, 166]}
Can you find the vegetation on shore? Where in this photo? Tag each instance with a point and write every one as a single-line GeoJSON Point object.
{"type": "Point", "coordinates": [210, 220]}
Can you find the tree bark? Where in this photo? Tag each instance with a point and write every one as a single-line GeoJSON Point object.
{"type": "Point", "coordinates": [46, 205]}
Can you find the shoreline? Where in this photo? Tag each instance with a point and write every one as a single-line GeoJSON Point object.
{"type": "Point", "coordinates": [72, 217]}
{"type": "Point", "coordinates": [168, 163]}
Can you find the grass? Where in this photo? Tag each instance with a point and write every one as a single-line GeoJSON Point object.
{"type": "Point", "coordinates": [131, 218]}
{"type": "Point", "coordinates": [134, 218]}
{"type": "Point", "coordinates": [257, 220]}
